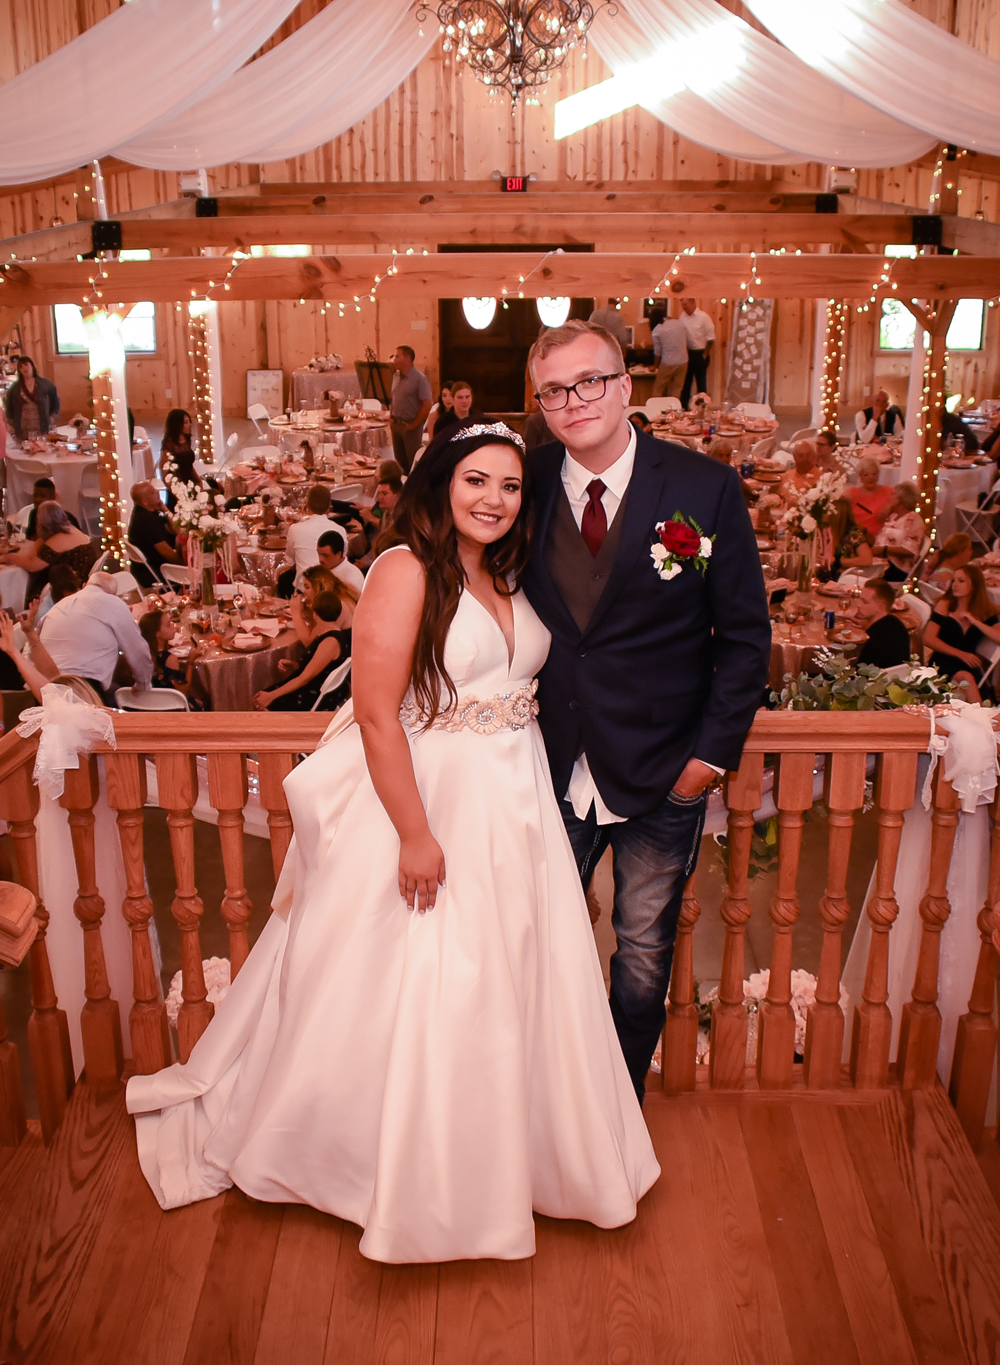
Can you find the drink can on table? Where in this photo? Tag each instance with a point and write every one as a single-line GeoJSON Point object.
{"type": "Point", "coordinates": [746, 469]}
{"type": "Point", "coordinates": [829, 619]}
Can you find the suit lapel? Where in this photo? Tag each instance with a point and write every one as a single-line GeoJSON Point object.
{"type": "Point", "coordinates": [548, 486]}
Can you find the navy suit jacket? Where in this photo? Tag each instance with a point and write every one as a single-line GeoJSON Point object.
{"type": "Point", "coordinates": [665, 671]}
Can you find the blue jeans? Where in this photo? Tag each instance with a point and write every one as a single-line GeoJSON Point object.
{"type": "Point", "coordinates": [654, 855]}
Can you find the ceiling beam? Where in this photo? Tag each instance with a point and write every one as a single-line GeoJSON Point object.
{"type": "Point", "coordinates": [66, 241]}
{"type": "Point", "coordinates": [450, 275]}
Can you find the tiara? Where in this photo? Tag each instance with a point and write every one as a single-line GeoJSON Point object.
{"type": "Point", "coordinates": [488, 429]}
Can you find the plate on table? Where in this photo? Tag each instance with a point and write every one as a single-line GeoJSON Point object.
{"type": "Point", "coordinates": [832, 590]}
{"type": "Point", "coordinates": [849, 636]}
{"type": "Point", "coordinates": [253, 646]}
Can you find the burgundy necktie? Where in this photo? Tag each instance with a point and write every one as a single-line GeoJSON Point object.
{"type": "Point", "coordinates": [594, 526]}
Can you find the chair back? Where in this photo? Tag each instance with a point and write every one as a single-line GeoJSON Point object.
{"type": "Point", "coordinates": [99, 564]}
{"type": "Point", "coordinates": [919, 607]}
{"type": "Point", "coordinates": [764, 449]}
{"type": "Point", "coordinates": [804, 434]}
{"type": "Point", "coordinates": [177, 573]}
{"type": "Point", "coordinates": [371, 405]}
{"type": "Point", "coordinates": [755, 410]}
{"type": "Point", "coordinates": [139, 434]}
{"type": "Point", "coordinates": [126, 583]}
{"type": "Point", "coordinates": [347, 492]}
{"type": "Point", "coordinates": [90, 482]}
{"type": "Point", "coordinates": [989, 652]}
{"type": "Point", "coordinates": [655, 407]}
{"type": "Point", "coordinates": [27, 466]}
{"type": "Point", "coordinates": [930, 593]}
{"type": "Point", "coordinates": [152, 699]}
{"type": "Point", "coordinates": [332, 681]}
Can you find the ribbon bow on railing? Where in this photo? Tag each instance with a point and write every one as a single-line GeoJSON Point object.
{"type": "Point", "coordinates": [70, 726]}
{"type": "Point", "coordinates": [968, 749]}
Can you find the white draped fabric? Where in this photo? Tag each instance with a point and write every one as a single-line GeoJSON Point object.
{"type": "Point", "coordinates": [744, 94]}
{"type": "Point", "coordinates": [310, 88]}
{"type": "Point", "coordinates": [888, 55]}
{"type": "Point", "coordinates": [150, 60]}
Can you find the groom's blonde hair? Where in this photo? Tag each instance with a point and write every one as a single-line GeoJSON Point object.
{"type": "Point", "coordinates": [554, 337]}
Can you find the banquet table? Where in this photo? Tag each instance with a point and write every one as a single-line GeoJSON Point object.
{"type": "Point", "coordinates": [65, 471]}
{"type": "Point", "coordinates": [143, 463]}
{"type": "Point", "coordinates": [229, 681]}
{"type": "Point", "coordinates": [794, 645]}
{"type": "Point", "coordinates": [260, 567]}
{"type": "Point", "coordinates": [374, 442]}
{"type": "Point", "coordinates": [309, 386]}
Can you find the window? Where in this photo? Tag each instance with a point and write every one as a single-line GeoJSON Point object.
{"type": "Point", "coordinates": [138, 329]}
{"type": "Point", "coordinates": [897, 328]}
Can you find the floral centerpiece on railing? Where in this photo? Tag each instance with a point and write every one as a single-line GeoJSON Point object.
{"type": "Point", "coordinates": [198, 513]}
{"type": "Point", "coordinates": [842, 685]}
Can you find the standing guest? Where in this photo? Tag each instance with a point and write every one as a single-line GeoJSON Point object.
{"type": "Point", "coordinates": [150, 530]}
{"type": "Point", "coordinates": [32, 404]}
{"type": "Point", "coordinates": [610, 318]}
{"type": "Point", "coordinates": [176, 450]}
{"type": "Point", "coordinates": [700, 340]}
{"type": "Point", "coordinates": [85, 633]}
{"type": "Point", "coordinates": [803, 476]}
{"type": "Point", "coordinates": [44, 490]}
{"type": "Point", "coordinates": [961, 619]}
{"type": "Point", "coordinates": [670, 354]}
{"type": "Point", "coordinates": [411, 402]}
{"type": "Point", "coordinates": [441, 409]}
{"type": "Point", "coordinates": [302, 538]}
{"type": "Point", "coordinates": [652, 677]}
{"type": "Point", "coordinates": [902, 533]}
{"type": "Point", "coordinates": [870, 500]}
{"type": "Point", "coordinates": [940, 565]}
{"type": "Point", "coordinates": [880, 420]}
{"type": "Point", "coordinates": [827, 450]}
{"type": "Point", "coordinates": [332, 551]}
{"type": "Point", "coordinates": [159, 632]}
{"type": "Point", "coordinates": [888, 642]}
{"type": "Point", "coordinates": [323, 654]}
{"type": "Point", "coordinates": [462, 412]}
{"type": "Point", "coordinates": [58, 542]}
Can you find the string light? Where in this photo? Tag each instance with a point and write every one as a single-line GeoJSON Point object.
{"type": "Point", "coordinates": [203, 395]}
{"type": "Point", "coordinates": [834, 345]}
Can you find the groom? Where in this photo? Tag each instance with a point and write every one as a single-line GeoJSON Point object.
{"type": "Point", "coordinates": [659, 655]}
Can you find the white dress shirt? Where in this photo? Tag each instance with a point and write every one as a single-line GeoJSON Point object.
{"type": "Point", "coordinates": [698, 326]}
{"type": "Point", "coordinates": [350, 574]}
{"type": "Point", "coordinates": [85, 633]}
{"type": "Point", "coordinates": [301, 542]}
{"type": "Point", "coordinates": [868, 431]}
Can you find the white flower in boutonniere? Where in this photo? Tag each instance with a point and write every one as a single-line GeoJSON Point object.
{"type": "Point", "coordinates": [681, 541]}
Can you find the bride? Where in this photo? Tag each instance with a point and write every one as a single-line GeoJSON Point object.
{"type": "Point", "coordinates": [420, 1041]}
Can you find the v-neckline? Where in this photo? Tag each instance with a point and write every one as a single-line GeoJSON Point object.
{"type": "Point", "coordinates": [511, 648]}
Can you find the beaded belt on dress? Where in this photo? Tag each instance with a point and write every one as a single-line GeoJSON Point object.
{"type": "Point", "coordinates": [506, 711]}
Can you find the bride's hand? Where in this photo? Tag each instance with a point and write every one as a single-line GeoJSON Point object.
{"type": "Point", "coordinates": [421, 871]}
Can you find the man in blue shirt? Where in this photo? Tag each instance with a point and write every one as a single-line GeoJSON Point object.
{"type": "Point", "coordinates": [670, 354]}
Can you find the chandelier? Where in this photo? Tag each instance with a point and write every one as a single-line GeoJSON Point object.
{"type": "Point", "coordinates": [513, 45]}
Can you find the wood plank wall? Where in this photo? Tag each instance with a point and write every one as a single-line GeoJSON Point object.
{"type": "Point", "coordinates": [442, 125]}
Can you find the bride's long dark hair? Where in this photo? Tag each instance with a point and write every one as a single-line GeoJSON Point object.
{"type": "Point", "coordinates": [423, 522]}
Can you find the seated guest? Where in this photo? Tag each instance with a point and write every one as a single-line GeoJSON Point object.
{"type": "Point", "coordinates": [462, 412]}
{"type": "Point", "coordinates": [902, 533]}
{"type": "Point", "coordinates": [150, 530]}
{"type": "Point", "coordinates": [390, 469]}
{"type": "Point", "coordinates": [85, 633]}
{"type": "Point", "coordinates": [803, 476]}
{"type": "Point", "coordinates": [331, 549]}
{"type": "Point", "coordinates": [870, 500]}
{"type": "Point", "coordinates": [940, 564]}
{"type": "Point", "coordinates": [302, 538]}
{"type": "Point", "coordinates": [952, 425]}
{"type": "Point", "coordinates": [851, 544]}
{"type": "Point", "coordinates": [315, 580]}
{"type": "Point", "coordinates": [444, 406]}
{"type": "Point", "coordinates": [639, 420]}
{"type": "Point", "coordinates": [827, 450]}
{"type": "Point", "coordinates": [888, 642]}
{"type": "Point", "coordinates": [721, 449]}
{"type": "Point", "coordinates": [159, 631]}
{"type": "Point", "coordinates": [323, 654]}
{"type": "Point", "coordinates": [43, 490]}
{"type": "Point", "coordinates": [62, 581]}
{"type": "Point", "coordinates": [17, 672]}
{"type": "Point", "coordinates": [880, 420]}
{"type": "Point", "coordinates": [962, 618]}
{"type": "Point", "coordinates": [58, 542]}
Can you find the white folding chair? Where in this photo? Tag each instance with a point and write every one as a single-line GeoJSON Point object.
{"type": "Point", "coordinates": [126, 583]}
{"type": "Point", "coordinates": [177, 573]}
{"type": "Point", "coordinates": [257, 414]}
{"type": "Point", "coordinates": [90, 500]}
{"type": "Point", "coordinates": [753, 410]}
{"type": "Point", "coordinates": [805, 434]}
{"type": "Point", "coordinates": [763, 449]}
{"type": "Point", "coordinates": [99, 564]}
{"type": "Point", "coordinates": [655, 407]}
{"type": "Point", "coordinates": [137, 557]}
{"type": "Point", "coordinates": [989, 652]}
{"type": "Point", "coordinates": [930, 592]}
{"type": "Point", "coordinates": [347, 492]}
{"type": "Point", "coordinates": [371, 405]}
{"type": "Point", "coordinates": [979, 519]}
{"type": "Point", "coordinates": [332, 681]}
{"type": "Point", "coordinates": [150, 699]}
{"type": "Point", "coordinates": [919, 607]}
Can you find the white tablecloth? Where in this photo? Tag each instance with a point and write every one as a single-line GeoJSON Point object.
{"type": "Point", "coordinates": [887, 474]}
{"type": "Point", "coordinates": [309, 386]}
{"type": "Point", "coordinates": [65, 471]}
{"type": "Point", "coordinates": [13, 585]}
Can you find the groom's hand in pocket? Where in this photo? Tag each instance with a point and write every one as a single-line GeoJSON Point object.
{"type": "Point", "coordinates": [421, 871]}
{"type": "Point", "coordinates": [695, 777]}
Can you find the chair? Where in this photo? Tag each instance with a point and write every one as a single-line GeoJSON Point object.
{"type": "Point", "coordinates": [151, 699]}
{"type": "Point", "coordinates": [126, 583]}
{"type": "Point", "coordinates": [332, 681]}
{"type": "Point", "coordinates": [930, 593]}
{"type": "Point", "coordinates": [347, 492]}
{"type": "Point", "coordinates": [177, 573]}
{"type": "Point", "coordinates": [90, 500]}
{"type": "Point", "coordinates": [371, 405]}
{"type": "Point", "coordinates": [919, 607]}
{"type": "Point", "coordinates": [763, 449]}
{"type": "Point", "coordinates": [755, 410]}
{"type": "Point", "coordinates": [805, 434]}
{"type": "Point", "coordinates": [979, 519]}
{"type": "Point", "coordinates": [257, 414]}
{"type": "Point", "coordinates": [655, 407]}
{"type": "Point", "coordinates": [99, 564]}
{"type": "Point", "coordinates": [137, 557]}
{"type": "Point", "coordinates": [139, 434]}
{"type": "Point", "coordinates": [989, 652]}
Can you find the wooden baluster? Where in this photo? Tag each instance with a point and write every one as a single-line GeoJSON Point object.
{"type": "Point", "coordinates": [48, 1028]}
{"type": "Point", "coordinates": [728, 1057]}
{"type": "Point", "coordinates": [13, 1116]}
{"type": "Point", "coordinates": [844, 793]}
{"type": "Point", "coordinates": [976, 1040]}
{"type": "Point", "coordinates": [920, 1030]}
{"type": "Point", "coordinates": [272, 769]}
{"type": "Point", "coordinates": [871, 1036]}
{"type": "Point", "coordinates": [227, 787]}
{"type": "Point", "coordinates": [776, 1047]}
{"type": "Point", "coordinates": [100, 1021]}
{"type": "Point", "coordinates": [147, 1019]}
{"type": "Point", "coordinates": [177, 783]}
{"type": "Point", "coordinates": [680, 1032]}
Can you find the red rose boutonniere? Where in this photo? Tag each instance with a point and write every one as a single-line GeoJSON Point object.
{"type": "Point", "coordinates": [680, 541]}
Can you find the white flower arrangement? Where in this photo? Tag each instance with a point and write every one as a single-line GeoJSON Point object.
{"type": "Point", "coordinates": [217, 981]}
{"type": "Point", "coordinates": [814, 506]}
{"type": "Point", "coordinates": [199, 513]}
{"type": "Point", "coordinates": [754, 992]}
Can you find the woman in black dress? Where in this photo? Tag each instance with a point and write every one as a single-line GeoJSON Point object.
{"type": "Point", "coordinates": [323, 654]}
{"type": "Point", "coordinates": [962, 619]}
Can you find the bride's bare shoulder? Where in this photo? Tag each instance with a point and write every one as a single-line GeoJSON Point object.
{"type": "Point", "coordinates": [397, 567]}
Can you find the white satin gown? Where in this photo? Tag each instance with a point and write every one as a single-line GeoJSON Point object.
{"type": "Point", "coordinates": [433, 1078]}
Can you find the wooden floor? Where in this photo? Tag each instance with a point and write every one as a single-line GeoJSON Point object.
{"type": "Point", "coordinates": [791, 1229]}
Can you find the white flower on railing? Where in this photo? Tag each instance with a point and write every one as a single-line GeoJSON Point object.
{"type": "Point", "coordinates": [217, 980]}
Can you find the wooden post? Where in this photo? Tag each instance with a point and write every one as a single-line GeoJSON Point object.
{"type": "Point", "coordinates": [776, 1048]}
{"type": "Point", "coordinates": [112, 531]}
{"type": "Point", "coordinates": [920, 1032]}
{"type": "Point", "coordinates": [728, 1055]}
{"type": "Point", "coordinates": [198, 351]}
{"type": "Point", "coordinates": [177, 783]}
{"type": "Point", "coordinates": [48, 1028]}
{"type": "Point", "coordinates": [227, 786]}
{"type": "Point", "coordinates": [272, 769]}
{"type": "Point", "coordinates": [100, 1021]}
{"type": "Point", "coordinates": [872, 1034]}
{"type": "Point", "coordinates": [680, 1032]}
{"type": "Point", "coordinates": [147, 1020]}
{"type": "Point", "coordinates": [936, 321]}
{"type": "Point", "coordinates": [844, 793]}
{"type": "Point", "coordinates": [13, 1117]}
{"type": "Point", "coordinates": [834, 341]}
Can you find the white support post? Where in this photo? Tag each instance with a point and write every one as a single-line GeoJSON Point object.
{"type": "Point", "coordinates": [912, 434]}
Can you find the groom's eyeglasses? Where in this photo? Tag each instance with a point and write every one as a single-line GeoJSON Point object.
{"type": "Point", "coordinates": [590, 390]}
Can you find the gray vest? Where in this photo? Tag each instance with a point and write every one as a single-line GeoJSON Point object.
{"type": "Point", "coordinates": [580, 578]}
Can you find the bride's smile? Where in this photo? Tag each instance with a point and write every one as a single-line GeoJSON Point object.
{"type": "Point", "coordinates": [486, 494]}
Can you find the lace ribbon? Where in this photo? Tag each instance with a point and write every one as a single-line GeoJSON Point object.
{"type": "Point", "coordinates": [69, 726]}
{"type": "Point", "coordinates": [506, 711]}
{"type": "Point", "coordinates": [968, 749]}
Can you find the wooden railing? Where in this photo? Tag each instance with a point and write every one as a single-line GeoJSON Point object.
{"type": "Point", "coordinates": [792, 740]}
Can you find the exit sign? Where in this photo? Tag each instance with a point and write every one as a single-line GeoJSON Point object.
{"type": "Point", "coordinates": [514, 184]}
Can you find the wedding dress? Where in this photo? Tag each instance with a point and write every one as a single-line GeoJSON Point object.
{"type": "Point", "coordinates": [433, 1078]}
